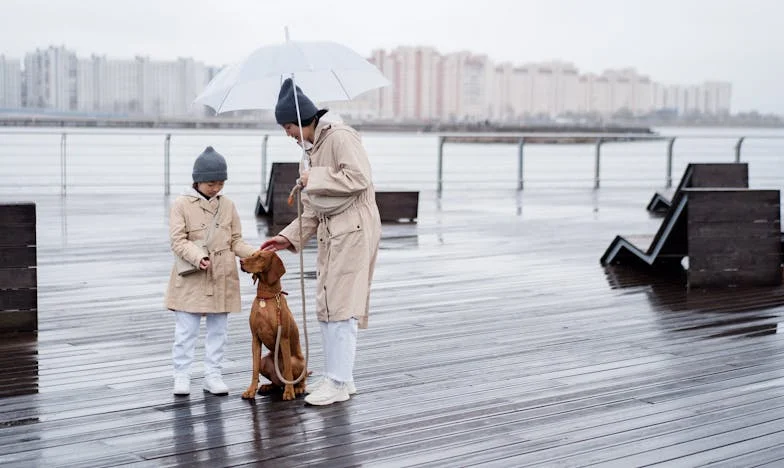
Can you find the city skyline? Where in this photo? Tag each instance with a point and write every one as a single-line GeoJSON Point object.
{"type": "Point", "coordinates": [426, 86]}
{"type": "Point", "coordinates": [673, 41]}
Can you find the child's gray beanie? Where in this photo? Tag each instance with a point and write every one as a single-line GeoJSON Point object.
{"type": "Point", "coordinates": [209, 166]}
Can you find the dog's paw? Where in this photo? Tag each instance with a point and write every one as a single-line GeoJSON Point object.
{"type": "Point", "coordinates": [250, 393]}
{"type": "Point", "coordinates": [288, 393]}
{"type": "Point", "coordinates": [266, 389]}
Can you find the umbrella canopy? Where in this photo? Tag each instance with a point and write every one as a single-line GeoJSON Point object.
{"type": "Point", "coordinates": [326, 71]}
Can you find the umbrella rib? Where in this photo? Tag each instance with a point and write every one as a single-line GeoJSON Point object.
{"type": "Point", "coordinates": [340, 83]}
{"type": "Point", "coordinates": [226, 96]}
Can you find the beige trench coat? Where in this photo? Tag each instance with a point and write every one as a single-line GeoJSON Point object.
{"type": "Point", "coordinates": [216, 289]}
{"type": "Point", "coordinates": [348, 241]}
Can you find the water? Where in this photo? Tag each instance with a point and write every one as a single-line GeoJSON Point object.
{"type": "Point", "coordinates": [132, 161]}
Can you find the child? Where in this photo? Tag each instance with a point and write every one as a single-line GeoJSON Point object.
{"type": "Point", "coordinates": [213, 290]}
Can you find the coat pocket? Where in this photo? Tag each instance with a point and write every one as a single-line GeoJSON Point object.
{"type": "Point", "coordinates": [197, 233]}
{"type": "Point", "coordinates": [345, 244]}
{"type": "Point", "coordinates": [344, 223]}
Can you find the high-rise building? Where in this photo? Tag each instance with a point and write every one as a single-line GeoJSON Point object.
{"type": "Point", "coordinates": [415, 83]}
{"type": "Point", "coordinates": [140, 86]}
{"type": "Point", "coordinates": [50, 79]}
{"type": "Point", "coordinates": [717, 97]}
{"type": "Point", "coordinates": [465, 80]}
{"type": "Point", "coordinates": [10, 82]}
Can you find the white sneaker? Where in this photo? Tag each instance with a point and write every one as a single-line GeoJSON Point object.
{"type": "Point", "coordinates": [327, 393]}
{"type": "Point", "coordinates": [352, 390]}
{"type": "Point", "coordinates": [182, 384]}
{"type": "Point", "coordinates": [214, 384]}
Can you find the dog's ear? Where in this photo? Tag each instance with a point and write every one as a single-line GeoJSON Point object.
{"type": "Point", "coordinates": [275, 270]}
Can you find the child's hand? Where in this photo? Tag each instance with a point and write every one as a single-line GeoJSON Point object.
{"type": "Point", "coordinates": [303, 178]}
{"type": "Point", "coordinates": [204, 263]}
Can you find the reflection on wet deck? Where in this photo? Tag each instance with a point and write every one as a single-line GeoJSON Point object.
{"type": "Point", "coordinates": [496, 338]}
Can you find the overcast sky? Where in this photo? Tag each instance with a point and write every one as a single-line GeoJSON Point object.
{"type": "Point", "coordinates": [672, 41]}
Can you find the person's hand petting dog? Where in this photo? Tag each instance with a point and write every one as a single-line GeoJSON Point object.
{"type": "Point", "coordinates": [276, 243]}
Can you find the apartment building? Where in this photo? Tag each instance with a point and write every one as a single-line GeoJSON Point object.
{"type": "Point", "coordinates": [50, 79]}
{"type": "Point", "coordinates": [10, 82]}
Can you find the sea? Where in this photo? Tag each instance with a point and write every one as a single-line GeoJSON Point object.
{"type": "Point", "coordinates": [54, 161]}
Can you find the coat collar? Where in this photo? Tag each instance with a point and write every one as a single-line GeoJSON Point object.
{"type": "Point", "coordinates": [195, 197]}
{"type": "Point", "coordinates": [320, 131]}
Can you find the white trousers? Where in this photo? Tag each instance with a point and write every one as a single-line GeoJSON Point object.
{"type": "Point", "coordinates": [186, 331]}
{"type": "Point", "coordinates": [340, 347]}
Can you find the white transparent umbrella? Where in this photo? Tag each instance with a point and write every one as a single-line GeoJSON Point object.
{"type": "Point", "coordinates": [326, 71]}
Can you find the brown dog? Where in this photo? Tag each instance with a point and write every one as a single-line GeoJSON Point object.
{"type": "Point", "coordinates": [268, 311]}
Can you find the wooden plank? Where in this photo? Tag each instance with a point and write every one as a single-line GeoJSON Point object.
{"type": "Point", "coordinates": [18, 299]}
{"type": "Point", "coordinates": [18, 278]}
{"type": "Point", "coordinates": [17, 214]}
{"type": "Point", "coordinates": [769, 276]}
{"type": "Point", "coordinates": [17, 235]}
{"type": "Point", "coordinates": [719, 175]}
{"type": "Point", "coordinates": [728, 206]}
{"type": "Point", "coordinates": [18, 321]}
{"type": "Point", "coordinates": [17, 257]}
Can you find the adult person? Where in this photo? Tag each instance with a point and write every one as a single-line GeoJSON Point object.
{"type": "Point", "coordinates": [340, 209]}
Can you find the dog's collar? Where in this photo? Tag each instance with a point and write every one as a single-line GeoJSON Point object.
{"type": "Point", "coordinates": [268, 296]}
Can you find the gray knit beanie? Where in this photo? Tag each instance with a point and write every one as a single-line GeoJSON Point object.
{"type": "Point", "coordinates": [209, 166]}
{"type": "Point", "coordinates": [286, 108]}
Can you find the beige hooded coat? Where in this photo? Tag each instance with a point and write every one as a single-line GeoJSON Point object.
{"type": "Point", "coordinates": [216, 289]}
{"type": "Point", "coordinates": [347, 241]}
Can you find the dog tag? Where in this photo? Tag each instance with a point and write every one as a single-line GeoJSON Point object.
{"type": "Point", "coordinates": [262, 302]}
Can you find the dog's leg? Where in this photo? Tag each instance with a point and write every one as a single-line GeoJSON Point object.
{"type": "Point", "coordinates": [285, 351]}
{"type": "Point", "coordinates": [297, 360]}
{"type": "Point", "coordinates": [297, 365]}
{"type": "Point", "coordinates": [254, 383]}
{"type": "Point", "coordinates": [268, 371]}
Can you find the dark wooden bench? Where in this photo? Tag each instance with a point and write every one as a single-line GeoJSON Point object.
{"type": "Point", "coordinates": [393, 206]}
{"type": "Point", "coordinates": [275, 206]}
{"type": "Point", "coordinates": [734, 237]}
{"type": "Point", "coordinates": [18, 274]}
{"type": "Point", "coordinates": [704, 175]}
{"type": "Point", "coordinates": [398, 206]}
{"type": "Point", "coordinates": [731, 236]}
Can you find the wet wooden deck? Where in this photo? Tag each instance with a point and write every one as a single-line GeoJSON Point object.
{"type": "Point", "coordinates": [496, 339]}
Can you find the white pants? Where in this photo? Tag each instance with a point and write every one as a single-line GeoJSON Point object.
{"type": "Point", "coordinates": [185, 333]}
{"type": "Point", "coordinates": [340, 347]}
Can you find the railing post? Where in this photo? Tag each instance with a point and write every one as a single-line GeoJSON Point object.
{"type": "Point", "coordinates": [264, 163]}
{"type": "Point", "coordinates": [596, 163]}
{"type": "Point", "coordinates": [668, 181]}
{"type": "Point", "coordinates": [440, 179]}
{"type": "Point", "coordinates": [737, 149]}
{"type": "Point", "coordinates": [63, 154]}
{"type": "Point", "coordinates": [520, 146]}
{"type": "Point", "coordinates": [167, 164]}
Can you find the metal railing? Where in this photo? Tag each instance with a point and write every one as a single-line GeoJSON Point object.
{"type": "Point", "coordinates": [599, 139]}
{"type": "Point", "coordinates": [519, 139]}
